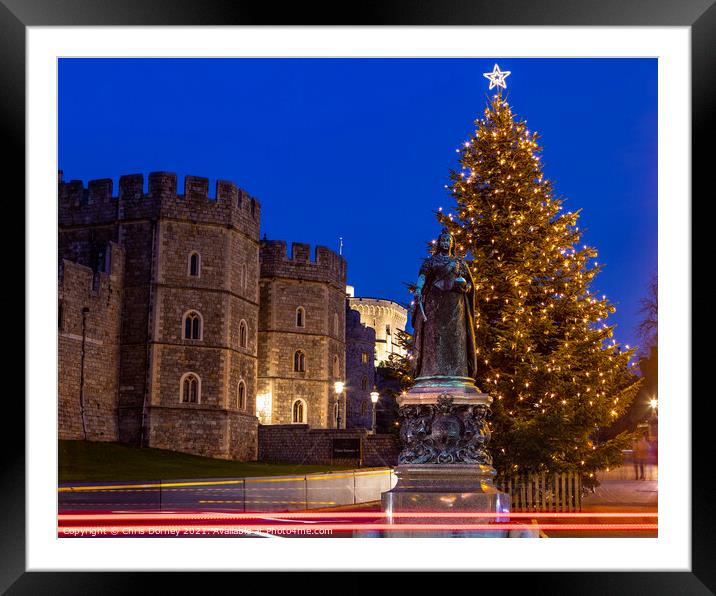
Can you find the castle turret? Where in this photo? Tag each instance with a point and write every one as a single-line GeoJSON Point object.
{"type": "Point", "coordinates": [301, 335]}
{"type": "Point", "coordinates": [386, 317]}
{"type": "Point", "coordinates": [189, 305]}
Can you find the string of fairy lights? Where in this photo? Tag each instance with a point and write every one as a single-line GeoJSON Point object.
{"type": "Point", "coordinates": [543, 337]}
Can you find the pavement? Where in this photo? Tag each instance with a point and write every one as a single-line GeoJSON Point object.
{"type": "Point", "coordinates": [635, 500]}
{"type": "Point", "coordinates": [630, 494]}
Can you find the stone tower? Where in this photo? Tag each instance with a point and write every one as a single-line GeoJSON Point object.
{"type": "Point", "coordinates": [301, 335]}
{"type": "Point", "coordinates": [385, 316]}
{"type": "Point", "coordinates": [189, 306]}
{"type": "Point", "coordinates": [360, 367]}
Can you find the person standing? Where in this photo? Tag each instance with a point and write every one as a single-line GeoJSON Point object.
{"type": "Point", "coordinates": [641, 454]}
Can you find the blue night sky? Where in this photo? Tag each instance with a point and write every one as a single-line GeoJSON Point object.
{"type": "Point", "coordinates": [361, 148]}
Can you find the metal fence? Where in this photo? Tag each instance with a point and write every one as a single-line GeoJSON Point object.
{"type": "Point", "coordinates": [543, 492]}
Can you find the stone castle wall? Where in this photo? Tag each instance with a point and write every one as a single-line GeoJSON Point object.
{"type": "Point", "coordinates": [95, 204]}
{"type": "Point", "coordinates": [326, 266]}
{"type": "Point", "coordinates": [360, 364]}
{"type": "Point", "coordinates": [318, 287]}
{"type": "Point", "coordinates": [158, 231]}
{"type": "Point", "coordinates": [88, 387]}
{"type": "Point", "coordinates": [297, 443]}
{"type": "Point", "coordinates": [127, 258]}
{"type": "Point", "coordinates": [209, 432]}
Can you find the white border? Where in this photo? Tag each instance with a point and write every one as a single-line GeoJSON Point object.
{"type": "Point", "coordinates": [671, 551]}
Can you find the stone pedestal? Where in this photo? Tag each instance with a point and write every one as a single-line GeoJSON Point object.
{"type": "Point", "coordinates": [444, 466]}
{"type": "Point", "coordinates": [446, 488]}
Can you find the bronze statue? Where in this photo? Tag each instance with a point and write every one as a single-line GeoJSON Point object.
{"type": "Point", "coordinates": [444, 317]}
{"type": "Point", "coordinates": [444, 464]}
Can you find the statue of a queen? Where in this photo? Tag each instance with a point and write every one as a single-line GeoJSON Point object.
{"type": "Point", "coordinates": [444, 318]}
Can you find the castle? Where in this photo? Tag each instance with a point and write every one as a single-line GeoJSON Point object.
{"type": "Point", "coordinates": [178, 328]}
{"type": "Point", "coordinates": [301, 335]}
{"type": "Point", "coordinates": [386, 317]}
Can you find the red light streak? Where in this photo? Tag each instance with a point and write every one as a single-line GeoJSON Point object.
{"type": "Point", "coordinates": [334, 514]}
{"type": "Point", "coordinates": [227, 524]}
{"type": "Point", "coordinates": [286, 528]}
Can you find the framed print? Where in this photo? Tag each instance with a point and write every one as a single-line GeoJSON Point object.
{"type": "Point", "coordinates": [338, 128]}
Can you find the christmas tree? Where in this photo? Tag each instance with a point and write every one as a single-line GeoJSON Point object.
{"type": "Point", "coordinates": [546, 354]}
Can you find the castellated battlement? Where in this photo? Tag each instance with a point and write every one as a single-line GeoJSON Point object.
{"type": "Point", "coordinates": [356, 330]}
{"type": "Point", "coordinates": [326, 266]}
{"type": "Point", "coordinates": [84, 283]}
{"type": "Point", "coordinates": [97, 204]}
{"type": "Point", "coordinates": [88, 345]}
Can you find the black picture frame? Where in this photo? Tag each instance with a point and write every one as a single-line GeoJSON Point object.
{"type": "Point", "coordinates": [17, 15]}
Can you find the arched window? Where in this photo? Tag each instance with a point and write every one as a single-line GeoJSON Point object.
{"type": "Point", "coordinates": [190, 389]}
{"type": "Point", "coordinates": [335, 324]}
{"type": "Point", "coordinates": [300, 317]}
{"type": "Point", "coordinates": [244, 277]}
{"type": "Point", "coordinates": [241, 401]}
{"type": "Point", "coordinates": [194, 264]}
{"type": "Point", "coordinates": [364, 408]}
{"type": "Point", "coordinates": [364, 383]}
{"type": "Point", "coordinates": [243, 332]}
{"type": "Point", "coordinates": [364, 358]}
{"type": "Point", "coordinates": [298, 412]}
{"type": "Point", "coordinates": [336, 367]}
{"type": "Point", "coordinates": [335, 414]}
{"type": "Point", "coordinates": [192, 326]}
{"type": "Point", "coordinates": [299, 361]}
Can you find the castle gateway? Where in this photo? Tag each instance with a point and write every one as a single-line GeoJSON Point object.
{"type": "Point", "coordinates": [177, 326]}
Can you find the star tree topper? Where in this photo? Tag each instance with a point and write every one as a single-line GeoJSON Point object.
{"type": "Point", "coordinates": [497, 77]}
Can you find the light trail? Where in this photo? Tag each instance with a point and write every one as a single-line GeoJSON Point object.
{"type": "Point", "coordinates": [384, 527]}
{"type": "Point", "coordinates": [328, 515]}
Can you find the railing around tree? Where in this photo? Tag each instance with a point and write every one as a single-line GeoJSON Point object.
{"type": "Point", "coordinates": [543, 492]}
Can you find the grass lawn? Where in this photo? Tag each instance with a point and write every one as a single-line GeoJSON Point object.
{"type": "Point", "coordinates": [85, 461]}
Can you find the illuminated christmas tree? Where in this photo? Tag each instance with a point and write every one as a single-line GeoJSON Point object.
{"type": "Point", "coordinates": [546, 353]}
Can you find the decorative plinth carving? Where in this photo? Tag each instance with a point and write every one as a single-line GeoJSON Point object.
{"type": "Point", "coordinates": [444, 433]}
{"type": "Point", "coordinates": [444, 466]}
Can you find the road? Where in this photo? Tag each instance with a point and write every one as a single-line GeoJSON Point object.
{"type": "Point", "coordinates": [216, 508]}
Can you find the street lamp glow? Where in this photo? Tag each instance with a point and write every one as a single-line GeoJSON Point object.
{"type": "Point", "coordinates": [653, 403]}
{"type": "Point", "coordinates": [263, 407]}
{"type": "Point", "coordinates": [374, 397]}
{"type": "Point", "coordinates": [338, 387]}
